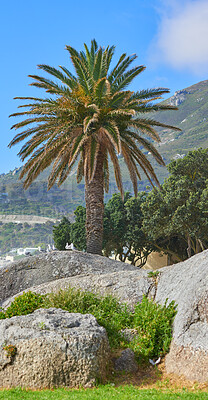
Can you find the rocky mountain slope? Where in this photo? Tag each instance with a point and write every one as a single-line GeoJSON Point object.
{"type": "Point", "coordinates": [191, 118]}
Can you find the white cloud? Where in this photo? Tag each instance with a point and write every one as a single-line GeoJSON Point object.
{"type": "Point", "coordinates": [182, 39]}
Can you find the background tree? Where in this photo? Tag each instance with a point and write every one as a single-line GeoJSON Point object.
{"type": "Point", "coordinates": [115, 226]}
{"type": "Point", "coordinates": [175, 218]}
{"type": "Point", "coordinates": [138, 247]}
{"type": "Point", "coordinates": [78, 234]}
{"type": "Point", "coordinates": [123, 234]}
{"type": "Point", "coordinates": [93, 117]}
{"type": "Point", "coordinates": [61, 234]}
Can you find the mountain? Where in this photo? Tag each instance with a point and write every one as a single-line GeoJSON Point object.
{"type": "Point", "coordinates": [191, 117]}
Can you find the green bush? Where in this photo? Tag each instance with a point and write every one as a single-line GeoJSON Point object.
{"type": "Point", "coordinates": [109, 313]}
{"type": "Point", "coordinates": [24, 304]}
{"type": "Point", "coordinates": [152, 321]}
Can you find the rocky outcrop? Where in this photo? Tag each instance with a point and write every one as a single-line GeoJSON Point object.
{"type": "Point", "coordinates": [36, 270]}
{"type": "Point", "coordinates": [52, 348]}
{"type": "Point", "coordinates": [128, 286]}
{"type": "Point", "coordinates": [186, 283]}
{"type": "Point", "coordinates": [178, 97]}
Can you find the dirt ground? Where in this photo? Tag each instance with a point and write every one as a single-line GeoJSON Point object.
{"type": "Point", "coordinates": [149, 377]}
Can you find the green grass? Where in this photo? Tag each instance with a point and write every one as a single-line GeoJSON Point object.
{"type": "Point", "coordinates": [102, 392]}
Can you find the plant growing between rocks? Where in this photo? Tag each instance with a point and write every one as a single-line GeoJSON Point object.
{"type": "Point", "coordinates": [23, 305]}
{"type": "Point", "coordinates": [10, 349]}
{"type": "Point", "coordinates": [151, 322]}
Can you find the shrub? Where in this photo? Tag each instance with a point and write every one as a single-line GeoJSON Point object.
{"type": "Point", "coordinates": [24, 304]}
{"type": "Point", "coordinates": [108, 311]}
{"type": "Point", "coordinates": [153, 323]}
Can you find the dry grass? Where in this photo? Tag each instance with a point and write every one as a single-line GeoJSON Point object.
{"type": "Point", "coordinates": [150, 377]}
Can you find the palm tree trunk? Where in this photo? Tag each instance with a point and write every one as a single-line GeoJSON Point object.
{"type": "Point", "coordinates": [94, 198]}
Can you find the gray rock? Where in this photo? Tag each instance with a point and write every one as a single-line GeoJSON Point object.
{"type": "Point", "coordinates": [129, 334]}
{"type": "Point", "coordinates": [128, 286]}
{"type": "Point", "coordinates": [52, 348]}
{"type": "Point", "coordinates": [187, 284]}
{"type": "Point", "coordinates": [36, 270]}
{"type": "Point", "coordinates": [126, 362]}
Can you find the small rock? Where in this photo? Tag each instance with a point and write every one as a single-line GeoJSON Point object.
{"type": "Point", "coordinates": [126, 362]}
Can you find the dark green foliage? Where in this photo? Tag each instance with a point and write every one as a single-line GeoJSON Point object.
{"type": "Point", "coordinates": [151, 321]}
{"type": "Point", "coordinates": [24, 304]}
{"type": "Point", "coordinates": [78, 234]}
{"type": "Point", "coordinates": [139, 246]}
{"type": "Point", "coordinates": [123, 233]}
{"type": "Point", "coordinates": [61, 234]}
{"type": "Point", "coordinates": [115, 223]}
{"type": "Point", "coordinates": [175, 217]}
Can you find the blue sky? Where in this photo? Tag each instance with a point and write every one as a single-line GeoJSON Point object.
{"type": "Point", "coordinates": [168, 36]}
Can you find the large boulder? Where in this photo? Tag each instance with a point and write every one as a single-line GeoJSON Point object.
{"type": "Point", "coordinates": [186, 283]}
{"type": "Point", "coordinates": [36, 270]}
{"type": "Point", "coordinates": [128, 286]}
{"type": "Point", "coordinates": [52, 348]}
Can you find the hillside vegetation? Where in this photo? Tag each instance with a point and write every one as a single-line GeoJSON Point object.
{"type": "Point", "coordinates": [24, 235]}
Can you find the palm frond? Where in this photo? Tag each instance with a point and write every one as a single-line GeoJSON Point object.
{"type": "Point", "coordinates": [121, 66]}
{"type": "Point", "coordinates": [149, 93]}
{"type": "Point", "coordinates": [101, 88]}
{"type": "Point", "coordinates": [98, 65]}
{"type": "Point", "coordinates": [70, 75]}
{"type": "Point", "coordinates": [126, 78]}
{"type": "Point", "coordinates": [152, 122]}
{"type": "Point", "coordinates": [131, 166]}
{"type": "Point", "coordinates": [50, 86]}
{"type": "Point", "coordinates": [147, 145]}
{"type": "Point", "coordinates": [117, 170]}
{"type": "Point", "coordinates": [113, 135]}
{"type": "Point", "coordinates": [31, 121]}
{"type": "Point", "coordinates": [80, 170]}
{"type": "Point", "coordinates": [106, 172]}
{"type": "Point", "coordinates": [108, 54]}
{"type": "Point", "coordinates": [58, 74]}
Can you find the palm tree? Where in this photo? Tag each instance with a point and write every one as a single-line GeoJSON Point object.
{"type": "Point", "coordinates": [93, 118]}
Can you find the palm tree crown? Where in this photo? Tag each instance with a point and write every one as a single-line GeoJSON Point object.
{"type": "Point", "coordinates": [91, 117]}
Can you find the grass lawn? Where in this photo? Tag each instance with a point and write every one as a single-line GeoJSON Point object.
{"type": "Point", "coordinates": [102, 392]}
